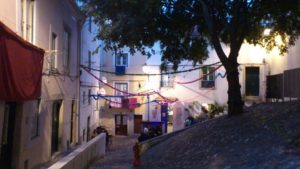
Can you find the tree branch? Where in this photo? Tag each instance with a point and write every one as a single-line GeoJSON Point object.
{"type": "Point", "coordinates": [213, 34]}
{"type": "Point", "coordinates": [237, 26]}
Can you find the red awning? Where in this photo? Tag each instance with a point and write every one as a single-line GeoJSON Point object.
{"type": "Point", "coordinates": [21, 65]}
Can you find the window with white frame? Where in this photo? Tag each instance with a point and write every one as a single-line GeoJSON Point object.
{"type": "Point", "coordinates": [27, 19]}
{"type": "Point", "coordinates": [66, 48]}
{"type": "Point", "coordinates": [35, 120]}
{"type": "Point", "coordinates": [53, 51]}
{"type": "Point", "coordinates": [208, 77]}
{"type": "Point", "coordinates": [121, 59]}
{"type": "Point", "coordinates": [121, 87]}
{"type": "Point", "coordinates": [167, 80]}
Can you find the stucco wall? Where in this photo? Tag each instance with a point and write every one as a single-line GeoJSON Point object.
{"type": "Point", "coordinates": [136, 84]}
{"type": "Point", "coordinates": [50, 16]}
{"type": "Point", "coordinates": [249, 56]}
{"type": "Point", "coordinates": [87, 81]}
{"type": "Point", "coordinates": [108, 119]}
{"type": "Point", "coordinates": [9, 14]}
{"type": "Point", "coordinates": [83, 156]}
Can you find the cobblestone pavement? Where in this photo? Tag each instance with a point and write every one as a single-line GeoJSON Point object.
{"type": "Point", "coordinates": [119, 155]}
{"type": "Point", "coordinates": [266, 136]}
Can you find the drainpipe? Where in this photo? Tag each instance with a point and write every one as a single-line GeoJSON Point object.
{"type": "Point", "coordinates": [79, 29]}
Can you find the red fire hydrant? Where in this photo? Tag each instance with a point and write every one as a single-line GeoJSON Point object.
{"type": "Point", "coordinates": [136, 154]}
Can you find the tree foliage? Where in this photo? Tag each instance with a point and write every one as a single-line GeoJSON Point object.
{"type": "Point", "coordinates": [186, 28]}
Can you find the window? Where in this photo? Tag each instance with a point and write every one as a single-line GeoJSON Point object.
{"type": "Point", "coordinates": [35, 120]}
{"type": "Point", "coordinates": [121, 59]}
{"type": "Point", "coordinates": [168, 79]}
{"type": "Point", "coordinates": [83, 135]}
{"type": "Point", "coordinates": [53, 51]}
{"type": "Point", "coordinates": [121, 87]}
{"type": "Point", "coordinates": [83, 97]}
{"type": "Point", "coordinates": [208, 80]}
{"type": "Point", "coordinates": [89, 97]}
{"type": "Point", "coordinates": [89, 60]}
{"type": "Point", "coordinates": [27, 19]}
{"type": "Point", "coordinates": [66, 48]}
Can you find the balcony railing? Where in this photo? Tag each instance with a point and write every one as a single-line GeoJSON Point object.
{"type": "Point", "coordinates": [120, 70]}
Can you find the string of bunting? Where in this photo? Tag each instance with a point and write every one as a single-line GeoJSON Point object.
{"type": "Point", "coordinates": [148, 92]}
{"type": "Point", "coordinates": [200, 78]}
{"type": "Point", "coordinates": [153, 74]}
{"type": "Point", "coordinates": [96, 97]}
{"type": "Point", "coordinates": [144, 93]}
{"type": "Point", "coordinates": [128, 94]}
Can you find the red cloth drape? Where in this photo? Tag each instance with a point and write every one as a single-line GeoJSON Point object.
{"type": "Point", "coordinates": [21, 65]}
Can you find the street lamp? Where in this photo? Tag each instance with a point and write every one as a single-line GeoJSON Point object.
{"type": "Point", "coordinates": [267, 32]}
{"type": "Point", "coordinates": [146, 70]}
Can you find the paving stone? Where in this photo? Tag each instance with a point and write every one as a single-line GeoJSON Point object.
{"type": "Point", "coordinates": [119, 155]}
{"type": "Point", "coordinates": [253, 140]}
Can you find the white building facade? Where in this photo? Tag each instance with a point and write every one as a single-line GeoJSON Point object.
{"type": "Point", "coordinates": [45, 127]}
{"type": "Point", "coordinates": [118, 118]}
{"type": "Point", "coordinates": [91, 51]}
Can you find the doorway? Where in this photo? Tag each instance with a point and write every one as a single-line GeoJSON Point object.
{"type": "Point", "coordinates": [252, 81]}
{"type": "Point", "coordinates": [138, 123]}
{"type": "Point", "coordinates": [121, 124]}
{"type": "Point", "coordinates": [55, 126]}
{"type": "Point", "coordinates": [8, 135]}
{"type": "Point", "coordinates": [88, 129]}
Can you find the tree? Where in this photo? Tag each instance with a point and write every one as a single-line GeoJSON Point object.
{"type": "Point", "coordinates": [186, 28]}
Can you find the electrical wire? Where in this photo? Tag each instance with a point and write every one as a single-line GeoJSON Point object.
{"type": "Point", "coordinates": [127, 93]}
{"type": "Point", "coordinates": [200, 77]}
{"type": "Point", "coordinates": [153, 74]}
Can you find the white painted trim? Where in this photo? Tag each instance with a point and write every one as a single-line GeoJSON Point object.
{"type": "Point", "coordinates": [128, 58]}
{"type": "Point", "coordinates": [114, 85]}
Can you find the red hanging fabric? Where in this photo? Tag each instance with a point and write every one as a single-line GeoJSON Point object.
{"type": "Point", "coordinates": [21, 65]}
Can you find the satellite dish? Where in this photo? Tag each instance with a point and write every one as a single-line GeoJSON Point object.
{"type": "Point", "coordinates": [104, 79]}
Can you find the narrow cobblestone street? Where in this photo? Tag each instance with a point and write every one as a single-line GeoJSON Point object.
{"type": "Point", "coordinates": [119, 155]}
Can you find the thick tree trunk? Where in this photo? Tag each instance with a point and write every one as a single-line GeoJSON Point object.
{"type": "Point", "coordinates": [235, 103]}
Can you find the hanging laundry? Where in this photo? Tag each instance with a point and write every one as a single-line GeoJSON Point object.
{"type": "Point", "coordinates": [116, 102]}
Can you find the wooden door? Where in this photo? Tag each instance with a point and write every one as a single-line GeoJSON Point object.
{"type": "Point", "coordinates": [121, 124]}
{"type": "Point", "coordinates": [252, 81]}
{"type": "Point", "coordinates": [138, 123]}
{"type": "Point", "coordinates": [7, 135]}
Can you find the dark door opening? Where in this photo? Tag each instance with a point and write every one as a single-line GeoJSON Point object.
{"type": "Point", "coordinates": [55, 126]}
{"type": "Point", "coordinates": [252, 81]}
{"type": "Point", "coordinates": [88, 129]}
{"type": "Point", "coordinates": [138, 123]}
{"type": "Point", "coordinates": [8, 135]}
{"type": "Point", "coordinates": [72, 121]}
{"type": "Point", "coordinates": [121, 124]}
